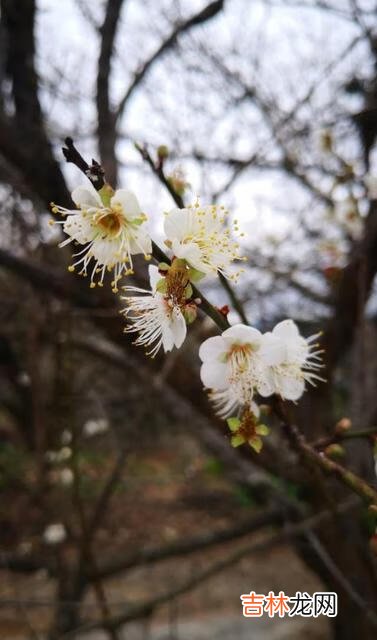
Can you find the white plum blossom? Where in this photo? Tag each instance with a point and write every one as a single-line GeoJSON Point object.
{"type": "Point", "coordinates": [243, 361]}
{"type": "Point", "coordinates": [296, 361]}
{"type": "Point", "coordinates": [112, 230]}
{"type": "Point", "coordinates": [197, 234]}
{"type": "Point", "coordinates": [232, 367]}
{"type": "Point", "coordinates": [157, 317]}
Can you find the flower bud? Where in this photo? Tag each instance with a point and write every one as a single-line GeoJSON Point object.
{"type": "Point", "coordinates": [335, 451]}
{"type": "Point", "coordinates": [162, 152]}
{"type": "Point", "coordinates": [342, 426]}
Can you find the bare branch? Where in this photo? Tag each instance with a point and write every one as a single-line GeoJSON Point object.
{"type": "Point", "coordinates": [106, 130]}
{"type": "Point", "coordinates": [202, 16]}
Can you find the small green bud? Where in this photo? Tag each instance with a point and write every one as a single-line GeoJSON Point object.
{"type": "Point", "coordinates": [335, 451]}
{"type": "Point", "coordinates": [163, 152]}
{"type": "Point", "coordinates": [190, 313]}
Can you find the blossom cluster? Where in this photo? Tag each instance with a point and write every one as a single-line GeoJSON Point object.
{"type": "Point", "coordinates": [243, 363]}
{"type": "Point", "coordinates": [109, 228]}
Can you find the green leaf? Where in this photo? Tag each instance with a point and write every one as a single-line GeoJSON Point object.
{"type": "Point", "coordinates": [237, 440]}
{"type": "Point", "coordinates": [256, 444]}
{"type": "Point", "coordinates": [233, 423]}
{"type": "Point", "coordinates": [262, 430]}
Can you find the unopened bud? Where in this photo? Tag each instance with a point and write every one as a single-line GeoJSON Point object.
{"type": "Point", "coordinates": [265, 409]}
{"type": "Point", "coordinates": [162, 152]}
{"type": "Point", "coordinates": [224, 310]}
{"type": "Point", "coordinates": [342, 426]}
{"type": "Point", "coordinates": [335, 451]}
{"type": "Point", "coordinates": [190, 313]}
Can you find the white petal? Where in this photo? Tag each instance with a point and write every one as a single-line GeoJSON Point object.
{"type": "Point", "coordinates": [214, 375]}
{"type": "Point", "coordinates": [167, 338]}
{"type": "Point", "coordinates": [266, 385]}
{"type": "Point", "coordinates": [189, 252]}
{"type": "Point", "coordinates": [178, 327]}
{"type": "Point", "coordinates": [296, 345]}
{"type": "Point", "coordinates": [105, 250]}
{"type": "Point", "coordinates": [291, 387]}
{"type": "Point", "coordinates": [242, 334]}
{"type": "Point", "coordinates": [212, 349]}
{"type": "Point", "coordinates": [86, 196]}
{"type": "Point", "coordinates": [79, 228]}
{"type": "Point", "coordinates": [297, 351]}
{"type": "Point", "coordinates": [272, 350]}
{"type": "Point", "coordinates": [140, 241]}
{"type": "Point", "coordinates": [128, 201]}
{"type": "Point", "coordinates": [154, 276]}
{"type": "Point", "coordinates": [177, 223]}
{"type": "Point", "coordinates": [255, 409]}
{"type": "Point", "coordinates": [286, 330]}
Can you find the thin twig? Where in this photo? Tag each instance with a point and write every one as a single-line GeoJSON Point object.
{"type": "Point", "coordinates": [300, 444]}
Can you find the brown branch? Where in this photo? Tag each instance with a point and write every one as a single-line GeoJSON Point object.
{"type": "Point", "coordinates": [93, 172]}
{"type": "Point", "coordinates": [144, 609]}
{"type": "Point", "coordinates": [183, 547]}
{"type": "Point", "coordinates": [106, 129]}
{"type": "Point", "coordinates": [23, 138]}
{"type": "Point", "coordinates": [157, 170]}
{"type": "Point", "coordinates": [201, 17]}
{"type": "Point", "coordinates": [322, 443]}
{"type": "Point", "coordinates": [51, 281]}
{"type": "Point", "coordinates": [320, 460]}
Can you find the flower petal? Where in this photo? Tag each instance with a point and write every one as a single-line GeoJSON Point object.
{"type": "Point", "coordinates": [266, 385]}
{"type": "Point", "coordinates": [286, 330]}
{"type": "Point", "coordinates": [140, 241]}
{"type": "Point", "coordinates": [214, 375]}
{"type": "Point", "coordinates": [177, 223]}
{"type": "Point", "coordinates": [189, 252]}
{"type": "Point", "coordinates": [241, 333]}
{"type": "Point", "coordinates": [290, 387]}
{"type": "Point", "coordinates": [154, 276]}
{"type": "Point", "coordinates": [212, 349]}
{"type": "Point", "coordinates": [86, 196]}
{"type": "Point", "coordinates": [178, 327]}
{"type": "Point", "coordinates": [273, 350]}
{"type": "Point", "coordinates": [296, 346]}
{"type": "Point", "coordinates": [128, 201]}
